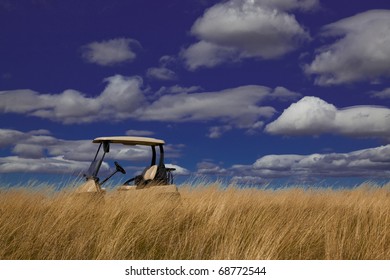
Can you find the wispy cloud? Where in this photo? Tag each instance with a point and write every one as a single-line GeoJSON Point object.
{"type": "Point", "coordinates": [288, 5]}
{"type": "Point", "coordinates": [361, 51]}
{"type": "Point", "coordinates": [382, 94]}
{"type": "Point", "coordinates": [133, 132]}
{"type": "Point", "coordinates": [207, 167]}
{"type": "Point", "coordinates": [177, 89]}
{"type": "Point", "coordinates": [217, 131]}
{"type": "Point", "coordinates": [110, 52]}
{"type": "Point", "coordinates": [162, 72]}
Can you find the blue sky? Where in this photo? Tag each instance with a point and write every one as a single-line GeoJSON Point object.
{"type": "Point", "coordinates": [253, 91]}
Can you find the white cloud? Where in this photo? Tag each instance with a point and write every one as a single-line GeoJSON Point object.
{"type": "Point", "coordinates": [370, 163]}
{"type": "Point", "coordinates": [119, 99]}
{"type": "Point", "coordinates": [217, 131]}
{"type": "Point", "coordinates": [383, 94]}
{"type": "Point", "coordinates": [133, 132]}
{"type": "Point", "coordinates": [314, 116]}
{"type": "Point", "coordinates": [205, 54]}
{"type": "Point", "coordinates": [283, 94]}
{"type": "Point", "coordinates": [110, 52]}
{"type": "Point", "coordinates": [70, 106]}
{"type": "Point", "coordinates": [124, 98]}
{"type": "Point", "coordinates": [236, 106]}
{"type": "Point", "coordinates": [36, 151]}
{"type": "Point", "coordinates": [37, 144]}
{"type": "Point", "coordinates": [286, 5]}
{"type": "Point", "coordinates": [29, 150]}
{"type": "Point", "coordinates": [56, 165]}
{"type": "Point", "coordinates": [9, 137]}
{"type": "Point", "coordinates": [210, 168]}
{"type": "Point", "coordinates": [179, 171]}
{"type": "Point", "coordinates": [167, 60]}
{"type": "Point", "coordinates": [161, 73]}
{"type": "Point", "coordinates": [237, 29]}
{"type": "Point", "coordinates": [248, 180]}
{"type": "Point", "coordinates": [39, 132]}
{"type": "Point", "coordinates": [277, 163]}
{"type": "Point", "coordinates": [177, 89]}
{"type": "Point", "coordinates": [361, 51]}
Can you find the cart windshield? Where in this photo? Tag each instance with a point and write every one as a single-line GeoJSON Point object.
{"type": "Point", "coordinates": [97, 161]}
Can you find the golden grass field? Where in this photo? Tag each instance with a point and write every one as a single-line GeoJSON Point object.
{"type": "Point", "coordinates": [209, 222]}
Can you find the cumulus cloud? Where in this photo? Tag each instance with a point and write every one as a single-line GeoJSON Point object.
{"type": "Point", "coordinates": [36, 151]}
{"type": "Point", "coordinates": [370, 163]}
{"type": "Point", "coordinates": [37, 144]}
{"type": "Point", "coordinates": [110, 52]}
{"type": "Point", "coordinates": [121, 97]}
{"type": "Point", "coordinates": [237, 29]}
{"type": "Point", "coordinates": [313, 116]}
{"type": "Point", "coordinates": [236, 106]}
{"type": "Point", "coordinates": [366, 163]}
{"type": "Point", "coordinates": [9, 137]}
{"type": "Point", "coordinates": [54, 165]}
{"type": "Point", "coordinates": [361, 51]}
{"type": "Point", "coordinates": [29, 150]}
{"type": "Point", "coordinates": [205, 54]}
{"type": "Point", "coordinates": [124, 98]}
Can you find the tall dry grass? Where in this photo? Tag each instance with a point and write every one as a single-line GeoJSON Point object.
{"type": "Point", "coordinates": [208, 223]}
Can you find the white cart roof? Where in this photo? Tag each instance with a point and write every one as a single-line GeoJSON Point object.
{"type": "Point", "coordinates": [130, 140]}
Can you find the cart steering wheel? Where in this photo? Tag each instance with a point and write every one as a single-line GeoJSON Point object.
{"type": "Point", "coordinates": [119, 168]}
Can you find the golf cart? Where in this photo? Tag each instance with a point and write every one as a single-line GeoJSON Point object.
{"type": "Point", "coordinates": [155, 177]}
